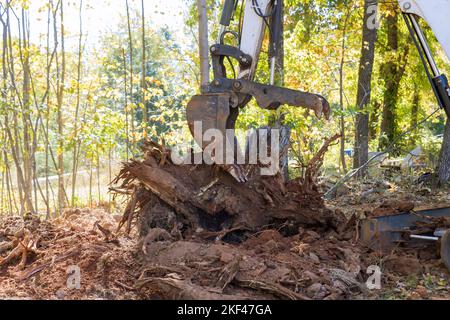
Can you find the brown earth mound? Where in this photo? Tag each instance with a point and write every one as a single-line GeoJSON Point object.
{"type": "Point", "coordinates": [206, 236]}
{"type": "Point", "coordinates": [38, 257]}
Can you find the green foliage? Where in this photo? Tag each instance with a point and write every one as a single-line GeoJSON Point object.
{"type": "Point", "coordinates": [313, 47]}
{"type": "Point", "coordinates": [317, 34]}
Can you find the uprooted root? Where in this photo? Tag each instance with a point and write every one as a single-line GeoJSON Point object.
{"type": "Point", "coordinates": [184, 198]}
{"type": "Point", "coordinates": [20, 247]}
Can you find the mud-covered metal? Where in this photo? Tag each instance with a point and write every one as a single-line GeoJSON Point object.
{"type": "Point", "coordinates": [445, 248]}
{"type": "Point", "coordinates": [388, 231]}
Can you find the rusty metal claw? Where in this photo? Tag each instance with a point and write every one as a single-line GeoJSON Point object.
{"type": "Point", "coordinates": [326, 109]}
{"type": "Point", "coordinates": [237, 172]}
{"type": "Point", "coordinates": [217, 110]}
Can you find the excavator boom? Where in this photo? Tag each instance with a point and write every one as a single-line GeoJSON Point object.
{"type": "Point", "coordinates": [436, 13]}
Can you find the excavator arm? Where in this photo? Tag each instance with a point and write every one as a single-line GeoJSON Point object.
{"type": "Point", "coordinates": [217, 108]}
{"type": "Point", "coordinates": [436, 13]}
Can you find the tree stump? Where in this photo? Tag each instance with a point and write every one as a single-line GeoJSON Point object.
{"type": "Point", "coordinates": [189, 199]}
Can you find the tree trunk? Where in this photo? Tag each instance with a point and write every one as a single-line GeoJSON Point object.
{"type": "Point", "coordinates": [392, 71]}
{"type": "Point", "coordinates": [90, 183]}
{"type": "Point", "coordinates": [341, 92]}
{"type": "Point", "coordinates": [143, 76]}
{"type": "Point", "coordinates": [374, 120]}
{"type": "Point", "coordinates": [110, 176]}
{"type": "Point", "coordinates": [26, 102]}
{"type": "Point", "coordinates": [203, 41]}
{"type": "Point", "coordinates": [3, 197]}
{"type": "Point", "coordinates": [369, 39]}
{"type": "Point", "coordinates": [14, 136]}
{"type": "Point", "coordinates": [4, 97]}
{"type": "Point", "coordinates": [127, 126]}
{"type": "Point", "coordinates": [2, 190]}
{"type": "Point", "coordinates": [11, 198]}
{"type": "Point", "coordinates": [276, 119]}
{"type": "Point", "coordinates": [47, 115]}
{"type": "Point", "coordinates": [98, 176]}
{"type": "Point", "coordinates": [130, 45]}
{"type": "Point", "coordinates": [444, 161]}
{"type": "Point", "coordinates": [60, 121]}
{"type": "Point", "coordinates": [77, 108]}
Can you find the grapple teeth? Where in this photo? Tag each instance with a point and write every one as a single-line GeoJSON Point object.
{"type": "Point", "coordinates": [326, 109]}
{"type": "Point", "coordinates": [322, 108]}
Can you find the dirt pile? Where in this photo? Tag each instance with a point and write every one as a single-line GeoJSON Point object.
{"type": "Point", "coordinates": [266, 266]}
{"type": "Point", "coordinates": [208, 237]}
{"type": "Point", "coordinates": [38, 257]}
{"type": "Point", "coordinates": [192, 232]}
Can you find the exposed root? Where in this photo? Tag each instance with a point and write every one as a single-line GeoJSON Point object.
{"type": "Point", "coordinates": [199, 197]}
{"type": "Point", "coordinates": [24, 246]}
{"type": "Point", "coordinates": [174, 287]}
{"type": "Point", "coordinates": [228, 274]}
{"type": "Point", "coordinates": [275, 289]}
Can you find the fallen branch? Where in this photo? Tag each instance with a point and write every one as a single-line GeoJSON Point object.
{"type": "Point", "coordinates": [272, 288]}
{"type": "Point", "coordinates": [228, 274]}
{"type": "Point", "coordinates": [107, 234]}
{"type": "Point", "coordinates": [316, 163]}
{"type": "Point", "coordinates": [23, 247]}
{"type": "Point", "coordinates": [28, 274]}
{"type": "Point", "coordinates": [172, 287]}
